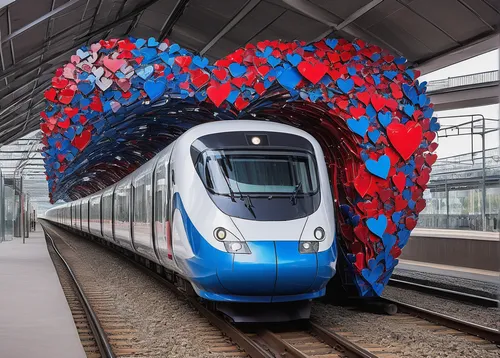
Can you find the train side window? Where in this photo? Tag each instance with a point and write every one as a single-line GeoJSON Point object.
{"type": "Point", "coordinates": [160, 200]}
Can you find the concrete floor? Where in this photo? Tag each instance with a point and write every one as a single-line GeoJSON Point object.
{"type": "Point", "coordinates": [35, 320]}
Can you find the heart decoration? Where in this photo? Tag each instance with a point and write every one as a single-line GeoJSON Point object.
{"type": "Point", "coordinates": [366, 108]}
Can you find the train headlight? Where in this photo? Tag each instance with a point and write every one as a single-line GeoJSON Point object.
{"type": "Point", "coordinates": [237, 247]}
{"type": "Point", "coordinates": [220, 233]}
{"type": "Point", "coordinates": [255, 140]}
{"type": "Point", "coordinates": [308, 247]}
{"type": "Point", "coordinates": [319, 234]}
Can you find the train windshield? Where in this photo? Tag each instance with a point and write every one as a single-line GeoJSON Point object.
{"type": "Point", "coordinates": [258, 173]}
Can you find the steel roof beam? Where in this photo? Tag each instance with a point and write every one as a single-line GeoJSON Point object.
{"type": "Point", "coordinates": [169, 23]}
{"type": "Point", "coordinates": [244, 11]}
{"type": "Point", "coordinates": [39, 20]}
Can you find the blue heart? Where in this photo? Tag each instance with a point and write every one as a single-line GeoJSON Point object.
{"type": "Point", "coordinates": [332, 43]}
{"type": "Point", "coordinates": [70, 133]}
{"type": "Point", "coordinates": [345, 85]}
{"type": "Point", "coordinates": [434, 125]}
{"type": "Point", "coordinates": [374, 135]}
{"type": "Point", "coordinates": [154, 89]}
{"type": "Point", "coordinates": [377, 226]}
{"type": "Point", "coordinates": [294, 59]}
{"type": "Point", "coordinates": [139, 43]}
{"type": "Point", "coordinates": [370, 111]}
{"type": "Point", "coordinates": [404, 236]}
{"type": "Point", "coordinates": [376, 79]}
{"type": "Point", "coordinates": [200, 62]}
{"type": "Point", "coordinates": [152, 42]}
{"type": "Point", "coordinates": [86, 87]}
{"type": "Point", "coordinates": [358, 126]}
{"type": "Point", "coordinates": [149, 54]}
{"type": "Point", "coordinates": [267, 51]}
{"type": "Point", "coordinates": [372, 275]}
{"type": "Point", "coordinates": [428, 112]}
{"type": "Point", "coordinates": [410, 73]}
{"type": "Point", "coordinates": [165, 57]}
{"type": "Point", "coordinates": [289, 78]}
{"type": "Point", "coordinates": [201, 95]}
{"type": "Point", "coordinates": [145, 72]}
{"type": "Point", "coordinates": [406, 194]}
{"type": "Point", "coordinates": [379, 168]}
{"type": "Point", "coordinates": [396, 216]}
{"type": "Point", "coordinates": [375, 57]}
{"type": "Point", "coordinates": [384, 118]}
{"type": "Point", "coordinates": [411, 204]}
{"type": "Point", "coordinates": [399, 60]}
{"type": "Point", "coordinates": [232, 96]}
{"type": "Point", "coordinates": [237, 70]}
{"type": "Point", "coordinates": [351, 70]}
{"type": "Point", "coordinates": [273, 61]}
{"type": "Point", "coordinates": [389, 241]}
{"type": "Point", "coordinates": [409, 109]}
{"type": "Point", "coordinates": [390, 74]}
{"type": "Point", "coordinates": [174, 48]}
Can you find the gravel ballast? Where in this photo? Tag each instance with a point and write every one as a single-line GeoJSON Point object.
{"type": "Point", "coordinates": [401, 335]}
{"type": "Point", "coordinates": [167, 325]}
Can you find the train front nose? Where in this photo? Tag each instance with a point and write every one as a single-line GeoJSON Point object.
{"type": "Point", "coordinates": [272, 269]}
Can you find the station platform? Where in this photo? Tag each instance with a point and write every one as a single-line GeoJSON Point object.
{"type": "Point", "coordinates": [35, 319]}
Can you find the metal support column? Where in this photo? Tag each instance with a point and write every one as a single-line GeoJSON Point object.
{"type": "Point", "coordinates": [447, 204]}
{"type": "Point", "coordinates": [483, 187]}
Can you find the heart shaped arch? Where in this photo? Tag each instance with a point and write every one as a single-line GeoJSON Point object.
{"type": "Point", "coordinates": [118, 102]}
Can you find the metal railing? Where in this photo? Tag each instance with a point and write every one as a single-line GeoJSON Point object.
{"type": "Point", "coordinates": [466, 80]}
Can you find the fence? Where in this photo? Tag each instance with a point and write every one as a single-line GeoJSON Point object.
{"type": "Point", "coordinates": [466, 80]}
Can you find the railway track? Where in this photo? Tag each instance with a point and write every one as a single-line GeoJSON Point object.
{"type": "Point", "coordinates": [94, 340]}
{"type": "Point", "coordinates": [309, 339]}
{"type": "Point", "coordinates": [446, 293]}
{"type": "Point", "coordinates": [484, 333]}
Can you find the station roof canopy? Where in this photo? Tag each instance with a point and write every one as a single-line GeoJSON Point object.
{"type": "Point", "coordinates": [39, 36]}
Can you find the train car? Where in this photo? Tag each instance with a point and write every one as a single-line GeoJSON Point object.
{"type": "Point", "coordinates": [241, 211]}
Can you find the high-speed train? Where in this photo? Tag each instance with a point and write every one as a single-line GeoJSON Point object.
{"type": "Point", "coordinates": [240, 210]}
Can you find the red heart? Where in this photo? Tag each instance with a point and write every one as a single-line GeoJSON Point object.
{"type": "Point", "coordinates": [313, 72]}
{"type": "Point", "coordinates": [405, 138]}
{"type": "Point", "coordinates": [420, 205]}
{"type": "Point", "coordinates": [419, 163]}
{"type": "Point", "coordinates": [50, 94]}
{"type": "Point", "coordinates": [199, 78]}
{"type": "Point", "coordinates": [432, 147]}
{"type": "Point", "coordinates": [423, 178]}
{"type": "Point", "coordinates": [345, 56]}
{"type": "Point", "coordinates": [59, 82]}
{"type": "Point", "coordinates": [113, 64]}
{"type": "Point", "coordinates": [238, 81]}
{"type": "Point", "coordinates": [333, 57]}
{"type": "Point", "coordinates": [82, 140]}
{"type": "Point", "coordinates": [183, 61]}
{"type": "Point", "coordinates": [45, 128]}
{"type": "Point", "coordinates": [346, 230]}
{"type": "Point", "coordinates": [64, 124]}
{"type": "Point", "coordinates": [220, 73]}
{"type": "Point", "coordinates": [360, 261]}
{"type": "Point", "coordinates": [400, 203]}
{"type": "Point", "coordinates": [260, 88]}
{"type": "Point", "coordinates": [71, 112]}
{"type": "Point", "coordinates": [391, 227]}
{"type": "Point", "coordinates": [385, 195]}
{"type": "Point", "coordinates": [361, 233]}
{"type": "Point", "coordinates": [363, 182]}
{"type": "Point", "coordinates": [430, 159]}
{"type": "Point", "coordinates": [60, 157]}
{"type": "Point", "coordinates": [96, 104]}
{"type": "Point", "coordinates": [396, 91]}
{"type": "Point", "coordinates": [430, 136]}
{"type": "Point", "coordinates": [218, 94]}
{"type": "Point", "coordinates": [342, 104]}
{"type": "Point", "coordinates": [66, 96]}
{"type": "Point", "coordinates": [263, 70]}
{"type": "Point", "coordinates": [399, 181]}
{"type": "Point", "coordinates": [240, 103]}
{"type": "Point", "coordinates": [364, 97]}
{"type": "Point", "coordinates": [357, 111]}
{"type": "Point", "coordinates": [410, 223]}
{"type": "Point", "coordinates": [378, 102]}
{"type": "Point", "coordinates": [395, 251]}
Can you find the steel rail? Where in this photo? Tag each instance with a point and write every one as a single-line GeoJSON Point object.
{"type": "Point", "coordinates": [474, 329]}
{"type": "Point", "coordinates": [238, 336]}
{"type": "Point", "coordinates": [99, 334]}
{"type": "Point", "coordinates": [455, 295]}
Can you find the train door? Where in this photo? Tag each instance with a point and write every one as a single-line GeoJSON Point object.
{"type": "Point", "coordinates": [161, 213]}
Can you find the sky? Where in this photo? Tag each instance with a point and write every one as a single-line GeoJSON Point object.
{"type": "Point", "coordinates": [461, 145]}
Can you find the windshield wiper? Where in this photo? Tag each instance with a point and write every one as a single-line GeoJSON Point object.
{"type": "Point", "coordinates": [293, 198]}
{"type": "Point", "coordinates": [226, 178]}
